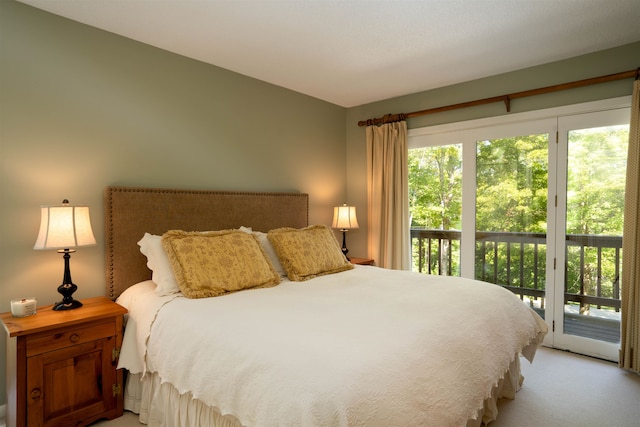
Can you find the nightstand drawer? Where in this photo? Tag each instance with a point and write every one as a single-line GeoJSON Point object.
{"type": "Point", "coordinates": [45, 342]}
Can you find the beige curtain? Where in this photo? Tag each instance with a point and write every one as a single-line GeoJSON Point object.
{"type": "Point", "coordinates": [388, 195]}
{"type": "Point", "coordinates": [630, 352]}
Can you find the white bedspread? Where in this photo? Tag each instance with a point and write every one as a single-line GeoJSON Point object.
{"type": "Point", "coordinates": [368, 346]}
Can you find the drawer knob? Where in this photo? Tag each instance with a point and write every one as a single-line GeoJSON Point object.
{"type": "Point", "coordinates": [36, 394]}
{"type": "Point", "coordinates": [74, 338]}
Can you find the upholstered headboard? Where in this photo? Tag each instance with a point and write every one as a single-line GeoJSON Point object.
{"type": "Point", "coordinates": [130, 212]}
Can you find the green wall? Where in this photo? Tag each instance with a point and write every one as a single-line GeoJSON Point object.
{"type": "Point", "coordinates": [81, 109]}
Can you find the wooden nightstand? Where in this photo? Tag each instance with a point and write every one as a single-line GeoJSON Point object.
{"type": "Point", "coordinates": [361, 261]}
{"type": "Point", "coordinates": [61, 365]}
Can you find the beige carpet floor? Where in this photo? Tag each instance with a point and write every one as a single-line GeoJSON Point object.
{"type": "Point", "coordinates": [561, 389]}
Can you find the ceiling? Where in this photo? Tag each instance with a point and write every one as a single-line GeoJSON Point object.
{"type": "Point", "coordinates": [353, 52]}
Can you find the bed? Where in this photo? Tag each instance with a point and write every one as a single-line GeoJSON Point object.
{"type": "Point", "coordinates": [243, 313]}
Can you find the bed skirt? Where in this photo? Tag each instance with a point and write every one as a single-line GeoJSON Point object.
{"type": "Point", "coordinates": [160, 404]}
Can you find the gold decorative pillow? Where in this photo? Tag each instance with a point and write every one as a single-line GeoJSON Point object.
{"type": "Point", "coordinates": [308, 252]}
{"type": "Point", "coordinates": [212, 263]}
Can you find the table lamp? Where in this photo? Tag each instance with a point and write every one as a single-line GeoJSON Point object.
{"type": "Point", "coordinates": [64, 228]}
{"type": "Point", "coordinates": [344, 219]}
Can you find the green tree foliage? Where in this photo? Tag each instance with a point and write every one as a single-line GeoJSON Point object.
{"type": "Point", "coordinates": [511, 197]}
{"type": "Point", "coordinates": [596, 180]}
{"type": "Point", "coordinates": [595, 205]}
{"type": "Point", "coordinates": [511, 184]}
{"type": "Point", "coordinates": [435, 187]}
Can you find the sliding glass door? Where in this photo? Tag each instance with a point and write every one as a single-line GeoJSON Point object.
{"type": "Point", "coordinates": [534, 206]}
{"type": "Point", "coordinates": [592, 153]}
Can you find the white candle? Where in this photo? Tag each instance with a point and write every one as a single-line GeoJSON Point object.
{"type": "Point", "coordinates": [23, 307]}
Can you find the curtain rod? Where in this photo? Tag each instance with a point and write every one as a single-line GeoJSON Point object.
{"type": "Point", "coordinates": [390, 118]}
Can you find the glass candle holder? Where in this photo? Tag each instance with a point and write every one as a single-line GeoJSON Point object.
{"type": "Point", "coordinates": [23, 307]}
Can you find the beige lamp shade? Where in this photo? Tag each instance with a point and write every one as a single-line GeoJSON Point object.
{"type": "Point", "coordinates": [344, 217]}
{"type": "Point", "coordinates": [64, 227]}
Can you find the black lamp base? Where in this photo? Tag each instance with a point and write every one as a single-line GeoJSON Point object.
{"type": "Point", "coordinates": [74, 303]}
{"type": "Point", "coordinates": [67, 288]}
{"type": "Point", "coordinates": [345, 251]}
{"type": "Point", "coordinates": [67, 303]}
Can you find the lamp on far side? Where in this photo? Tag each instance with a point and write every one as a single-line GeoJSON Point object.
{"type": "Point", "coordinates": [344, 219]}
{"type": "Point", "coordinates": [64, 228]}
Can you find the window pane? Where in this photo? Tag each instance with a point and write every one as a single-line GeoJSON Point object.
{"type": "Point", "coordinates": [435, 204]}
{"type": "Point", "coordinates": [511, 215]}
{"type": "Point", "coordinates": [596, 169]}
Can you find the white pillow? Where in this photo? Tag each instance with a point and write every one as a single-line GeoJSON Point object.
{"type": "Point", "coordinates": [268, 248]}
{"type": "Point", "coordinates": [158, 263]}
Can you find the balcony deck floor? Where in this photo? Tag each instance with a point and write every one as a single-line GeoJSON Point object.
{"type": "Point", "coordinates": [593, 327]}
